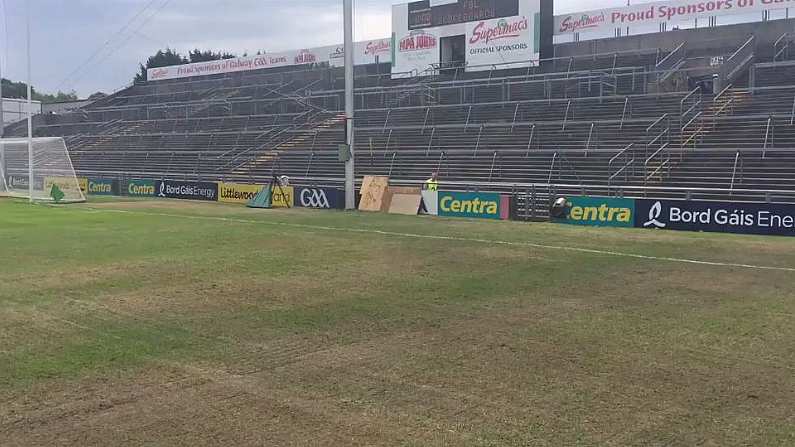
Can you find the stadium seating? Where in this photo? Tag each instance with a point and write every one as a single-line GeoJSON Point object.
{"type": "Point", "coordinates": [610, 123]}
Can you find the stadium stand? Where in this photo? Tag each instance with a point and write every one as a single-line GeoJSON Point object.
{"type": "Point", "coordinates": [640, 122]}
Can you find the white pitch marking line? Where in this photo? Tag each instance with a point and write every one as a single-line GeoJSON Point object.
{"type": "Point", "coordinates": [454, 238]}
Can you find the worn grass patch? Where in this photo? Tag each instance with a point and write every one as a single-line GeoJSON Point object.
{"type": "Point", "coordinates": [164, 322]}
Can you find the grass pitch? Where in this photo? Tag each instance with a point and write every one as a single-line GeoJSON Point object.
{"type": "Point", "coordinates": [174, 323]}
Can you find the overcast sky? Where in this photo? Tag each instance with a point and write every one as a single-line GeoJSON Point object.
{"type": "Point", "coordinates": [96, 45]}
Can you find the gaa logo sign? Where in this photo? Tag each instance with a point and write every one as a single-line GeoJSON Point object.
{"type": "Point", "coordinates": [323, 198]}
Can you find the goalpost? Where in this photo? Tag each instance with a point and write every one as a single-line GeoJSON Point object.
{"type": "Point", "coordinates": [51, 171]}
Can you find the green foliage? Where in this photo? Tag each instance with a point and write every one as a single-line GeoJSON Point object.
{"type": "Point", "coordinates": [19, 90]}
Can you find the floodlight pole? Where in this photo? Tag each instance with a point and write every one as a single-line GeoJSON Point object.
{"type": "Point", "coordinates": [30, 115]}
{"type": "Point", "coordinates": [2, 121]}
{"type": "Point", "coordinates": [350, 186]}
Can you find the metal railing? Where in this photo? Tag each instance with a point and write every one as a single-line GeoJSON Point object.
{"type": "Point", "coordinates": [769, 135]}
{"type": "Point", "coordinates": [670, 63]}
{"type": "Point", "coordinates": [737, 62]}
{"type": "Point", "coordinates": [624, 112]}
{"type": "Point", "coordinates": [530, 140]}
{"type": "Point", "coordinates": [690, 118]}
{"type": "Point", "coordinates": [781, 48]}
{"type": "Point", "coordinates": [738, 161]}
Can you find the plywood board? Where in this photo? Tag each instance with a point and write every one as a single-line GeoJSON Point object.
{"type": "Point", "coordinates": [408, 204]}
{"type": "Point", "coordinates": [398, 190]}
{"type": "Point", "coordinates": [374, 189]}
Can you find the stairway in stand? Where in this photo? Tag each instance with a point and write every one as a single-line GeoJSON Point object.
{"type": "Point", "coordinates": [299, 141]}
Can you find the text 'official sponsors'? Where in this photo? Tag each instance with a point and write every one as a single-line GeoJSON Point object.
{"type": "Point", "coordinates": [207, 191]}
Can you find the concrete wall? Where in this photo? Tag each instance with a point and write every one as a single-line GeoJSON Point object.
{"type": "Point", "coordinates": [64, 107]}
{"type": "Point", "coordinates": [717, 41]}
{"type": "Point", "coordinates": [16, 109]}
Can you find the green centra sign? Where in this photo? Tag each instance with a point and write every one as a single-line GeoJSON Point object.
{"type": "Point", "coordinates": [141, 188]}
{"type": "Point", "coordinates": [469, 204]}
{"type": "Point", "coordinates": [599, 211]}
{"type": "Point", "coordinates": [102, 187]}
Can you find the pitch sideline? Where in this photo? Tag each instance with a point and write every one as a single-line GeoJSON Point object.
{"type": "Point", "coordinates": [451, 238]}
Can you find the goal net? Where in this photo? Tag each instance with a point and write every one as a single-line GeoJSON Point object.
{"type": "Point", "coordinates": [52, 173]}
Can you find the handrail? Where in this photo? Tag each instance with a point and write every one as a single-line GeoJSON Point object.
{"type": "Point", "coordinates": [663, 147]}
{"type": "Point", "coordinates": [430, 141]}
{"type": "Point", "coordinates": [778, 52]}
{"type": "Point", "coordinates": [624, 112]}
{"type": "Point", "coordinates": [424, 123]}
{"type": "Point", "coordinates": [386, 121]}
{"type": "Point", "coordinates": [695, 117]}
{"type": "Point", "coordinates": [723, 107]}
{"type": "Point", "coordinates": [477, 145]}
{"type": "Point", "coordinates": [468, 115]}
{"type": "Point", "coordinates": [530, 141]}
{"type": "Point", "coordinates": [552, 167]}
{"type": "Point", "coordinates": [623, 168]}
{"type": "Point", "coordinates": [767, 134]}
{"type": "Point", "coordinates": [687, 96]}
{"type": "Point", "coordinates": [737, 159]}
{"type": "Point", "coordinates": [681, 45]}
{"type": "Point", "coordinates": [621, 152]}
{"type": "Point", "coordinates": [792, 115]}
{"type": "Point", "coordinates": [493, 162]}
{"type": "Point", "coordinates": [588, 143]}
{"type": "Point", "coordinates": [725, 89]}
{"type": "Point", "coordinates": [388, 140]}
{"type": "Point", "coordinates": [566, 115]}
{"type": "Point", "coordinates": [742, 47]}
{"type": "Point", "coordinates": [515, 113]}
{"type": "Point", "coordinates": [657, 122]}
{"type": "Point", "coordinates": [780, 38]}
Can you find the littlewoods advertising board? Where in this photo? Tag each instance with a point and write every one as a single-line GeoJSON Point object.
{"type": "Point", "coordinates": [686, 215]}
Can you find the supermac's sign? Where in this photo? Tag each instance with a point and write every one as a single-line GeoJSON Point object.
{"type": "Point", "coordinates": [473, 204]}
{"type": "Point", "coordinates": [724, 217]}
{"type": "Point", "coordinates": [600, 211]}
{"type": "Point", "coordinates": [187, 190]}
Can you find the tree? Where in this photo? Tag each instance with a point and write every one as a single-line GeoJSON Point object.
{"type": "Point", "coordinates": [208, 55]}
{"type": "Point", "coordinates": [19, 90]}
{"type": "Point", "coordinates": [160, 59]}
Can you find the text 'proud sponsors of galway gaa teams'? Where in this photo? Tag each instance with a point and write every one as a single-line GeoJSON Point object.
{"type": "Point", "coordinates": [237, 192]}
{"type": "Point", "coordinates": [599, 211]}
{"type": "Point", "coordinates": [187, 190]}
{"type": "Point", "coordinates": [473, 204]}
{"type": "Point", "coordinates": [141, 188]}
{"type": "Point", "coordinates": [723, 217]}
